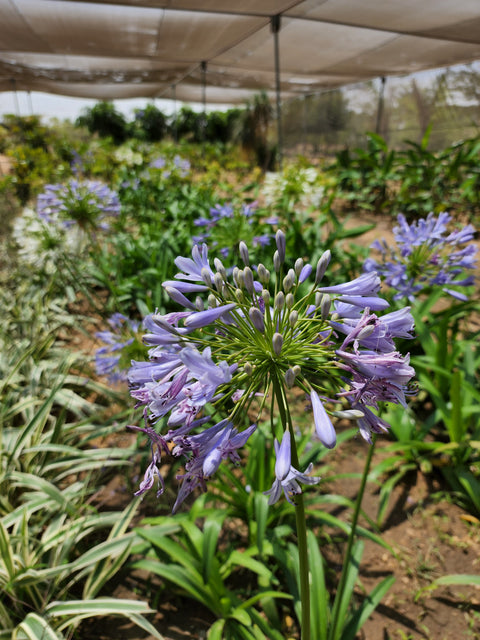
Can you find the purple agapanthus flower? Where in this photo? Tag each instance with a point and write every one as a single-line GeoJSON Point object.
{"type": "Point", "coordinates": [87, 203]}
{"type": "Point", "coordinates": [426, 256]}
{"type": "Point", "coordinates": [217, 227]}
{"type": "Point", "coordinates": [248, 334]}
{"type": "Point", "coordinates": [108, 358]}
{"type": "Point", "coordinates": [287, 478]}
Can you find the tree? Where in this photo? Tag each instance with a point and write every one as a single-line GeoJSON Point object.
{"type": "Point", "coordinates": [103, 119]}
{"type": "Point", "coordinates": [150, 124]}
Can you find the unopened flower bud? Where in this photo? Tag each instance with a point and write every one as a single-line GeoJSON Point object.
{"type": "Point", "coordinates": [325, 306]}
{"type": "Point", "coordinates": [277, 263]}
{"type": "Point", "coordinates": [322, 265]}
{"type": "Point", "coordinates": [349, 414]}
{"type": "Point", "coordinates": [289, 280]}
{"type": "Point", "coordinates": [256, 316]}
{"type": "Point", "coordinates": [218, 281]}
{"type": "Point", "coordinates": [263, 274]}
{"type": "Point", "coordinates": [281, 244]}
{"type": "Point", "coordinates": [266, 297]}
{"type": "Point", "coordinates": [243, 250]}
{"type": "Point", "coordinates": [206, 277]}
{"type": "Point", "coordinates": [297, 370]}
{"type": "Point", "coordinates": [298, 266]}
{"type": "Point", "coordinates": [177, 296]}
{"type": "Point", "coordinates": [235, 274]}
{"type": "Point", "coordinates": [323, 425]}
{"type": "Point", "coordinates": [293, 318]}
{"type": "Point", "coordinates": [212, 301]}
{"type": "Point", "coordinates": [239, 295]}
{"type": "Point", "coordinates": [280, 300]}
{"type": "Point", "coordinates": [305, 273]}
{"type": "Point", "coordinates": [289, 300]}
{"type": "Point", "coordinates": [161, 322]}
{"type": "Point", "coordinates": [240, 279]}
{"type": "Point", "coordinates": [248, 279]}
{"type": "Point", "coordinates": [277, 343]}
{"type": "Point", "coordinates": [220, 268]}
{"type": "Point", "coordinates": [289, 378]}
{"type": "Point", "coordinates": [318, 299]}
{"type": "Point", "coordinates": [247, 367]}
{"type": "Point", "coordinates": [366, 332]}
{"type": "Point", "coordinates": [199, 303]}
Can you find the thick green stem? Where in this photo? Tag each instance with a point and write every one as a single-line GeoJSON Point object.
{"type": "Point", "coordinates": [351, 540]}
{"type": "Point", "coordinates": [300, 519]}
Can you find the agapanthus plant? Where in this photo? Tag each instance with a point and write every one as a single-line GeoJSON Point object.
{"type": "Point", "coordinates": [121, 344]}
{"type": "Point", "coordinates": [86, 203]}
{"type": "Point", "coordinates": [425, 255]}
{"type": "Point", "coordinates": [238, 346]}
{"type": "Point", "coordinates": [227, 224]}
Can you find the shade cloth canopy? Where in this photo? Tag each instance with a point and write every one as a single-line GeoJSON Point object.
{"type": "Point", "coordinates": [107, 49]}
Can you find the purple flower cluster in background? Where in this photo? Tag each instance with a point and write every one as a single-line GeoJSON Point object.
{"type": "Point", "coordinates": [178, 166]}
{"type": "Point", "coordinates": [426, 255]}
{"type": "Point", "coordinates": [83, 202]}
{"type": "Point", "coordinates": [217, 227]}
{"type": "Point", "coordinates": [241, 338]}
{"type": "Point", "coordinates": [110, 359]}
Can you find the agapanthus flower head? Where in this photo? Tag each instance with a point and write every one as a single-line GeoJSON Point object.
{"type": "Point", "coordinates": [121, 343]}
{"type": "Point", "coordinates": [228, 224]}
{"type": "Point", "coordinates": [255, 335]}
{"type": "Point", "coordinates": [178, 167]}
{"type": "Point", "coordinates": [86, 203]}
{"type": "Point", "coordinates": [426, 255]}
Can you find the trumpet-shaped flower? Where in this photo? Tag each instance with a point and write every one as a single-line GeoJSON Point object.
{"type": "Point", "coordinates": [287, 478]}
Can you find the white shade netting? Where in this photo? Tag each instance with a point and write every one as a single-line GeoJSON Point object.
{"type": "Point", "coordinates": [149, 48]}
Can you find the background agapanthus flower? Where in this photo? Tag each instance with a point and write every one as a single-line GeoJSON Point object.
{"type": "Point", "coordinates": [113, 358]}
{"type": "Point", "coordinates": [228, 223]}
{"type": "Point", "coordinates": [426, 255]}
{"type": "Point", "coordinates": [244, 338]}
{"type": "Point", "coordinates": [179, 166]}
{"type": "Point", "coordinates": [86, 203]}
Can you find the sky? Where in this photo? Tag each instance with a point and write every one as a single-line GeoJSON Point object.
{"type": "Point", "coordinates": [63, 107]}
{"type": "Point", "coordinates": [49, 105]}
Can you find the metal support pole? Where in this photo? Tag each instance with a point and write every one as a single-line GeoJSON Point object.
{"type": "Point", "coordinates": [15, 97]}
{"type": "Point", "coordinates": [378, 126]}
{"type": "Point", "coordinates": [275, 26]}
{"type": "Point", "coordinates": [305, 123]}
{"type": "Point", "coordinates": [175, 127]}
{"type": "Point", "coordinates": [203, 67]}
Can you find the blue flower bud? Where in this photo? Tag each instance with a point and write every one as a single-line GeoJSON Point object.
{"type": "Point", "coordinates": [256, 316]}
{"type": "Point", "coordinates": [243, 250]}
{"type": "Point", "coordinates": [277, 343]}
{"type": "Point", "coordinates": [281, 244]}
{"type": "Point", "coordinates": [322, 265]}
{"type": "Point", "coordinates": [280, 300]}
